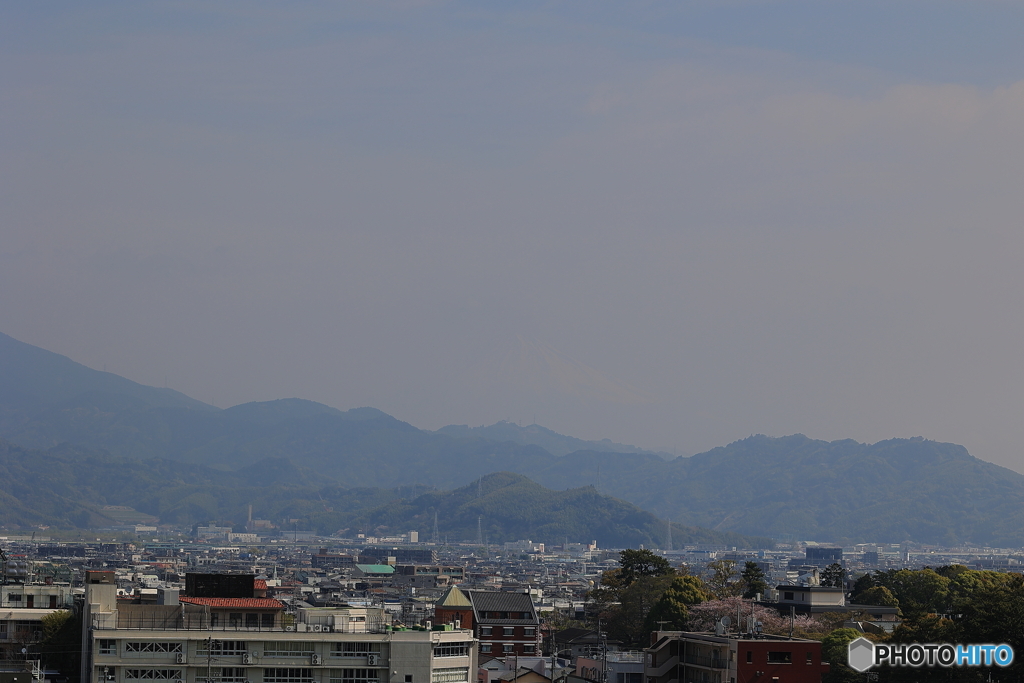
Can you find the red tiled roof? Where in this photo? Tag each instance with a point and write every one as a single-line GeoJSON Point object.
{"type": "Point", "coordinates": [259, 584]}
{"type": "Point", "coordinates": [259, 603]}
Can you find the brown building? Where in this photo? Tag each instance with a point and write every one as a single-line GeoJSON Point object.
{"type": "Point", "coordinates": [505, 623]}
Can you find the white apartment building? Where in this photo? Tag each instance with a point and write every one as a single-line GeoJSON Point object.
{"type": "Point", "coordinates": [252, 640]}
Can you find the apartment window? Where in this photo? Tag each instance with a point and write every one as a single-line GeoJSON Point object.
{"type": "Point", "coordinates": [450, 675]}
{"type": "Point", "coordinates": [228, 674]}
{"type": "Point", "coordinates": [485, 630]}
{"type": "Point", "coordinates": [508, 631]}
{"type": "Point", "coordinates": [354, 649]}
{"type": "Point", "coordinates": [223, 647]}
{"type": "Point", "coordinates": [451, 650]}
{"type": "Point", "coordinates": [529, 631]}
{"type": "Point", "coordinates": [288, 648]}
{"type": "Point", "coordinates": [152, 674]}
{"type": "Point", "coordinates": [235, 619]}
{"type": "Point", "coordinates": [14, 597]}
{"type": "Point", "coordinates": [214, 619]}
{"type": "Point", "coordinates": [485, 648]}
{"type": "Point", "coordinates": [267, 620]}
{"type": "Point", "coordinates": [152, 647]}
{"type": "Point", "coordinates": [507, 647]}
{"type": "Point", "coordinates": [355, 676]}
{"type": "Point", "coordinates": [288, 676]}
{"type": "Point", "coordinates": [787, 595]}
{"type": "Point", "coordinates": [750, 657]}
{"type": "Point", "coordinates": [108, 647]}
{"type": "Point", "coordinates": [810, 658]}
{"type": "Point", "coordinates": [780, 657]}
{"type": "Point", "coordinates": [252, 620]}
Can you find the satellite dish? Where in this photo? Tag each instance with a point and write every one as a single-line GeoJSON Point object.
{"type": "Point", "coordinates": [726, 622]}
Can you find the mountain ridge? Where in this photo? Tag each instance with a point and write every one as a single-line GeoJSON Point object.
{"type": "Point", "coordinates": [793, 486]}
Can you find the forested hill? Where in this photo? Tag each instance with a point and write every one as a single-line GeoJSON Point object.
{"type": "Point", "coordinates": [69, 487]}
{"type": "Point", "coordinates": [788, 487]}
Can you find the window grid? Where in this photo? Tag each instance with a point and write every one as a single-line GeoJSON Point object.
{"type": "Point", "coordinates": [451, 650]}
{"type": "Point", "coordinates": [223, 647]}
{"type": "Point", "coordinates": [355, 676]}
{"type": "Point", "coordinates": [154, 647]}
{"type": "Point", "coordinates": [288, 676]}
{"type": "Point", "coordinates": [287, 648]}
{"type": "Point", "coordinates": [354, 649]}
{"type": "Point", "coordinates": [153, 674]}
{"type": "Point", "coordinates": [450, 675]}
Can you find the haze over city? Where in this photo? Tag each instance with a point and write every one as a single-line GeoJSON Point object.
{"type": "Point", "coordinates": [670, 226]}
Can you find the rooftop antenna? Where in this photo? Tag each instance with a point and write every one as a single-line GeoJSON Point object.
{"type": "Point", "coordinates": [479, 530]}
{"type": "Point", "coordinates": [668, 544]}
{"type": "Point", "coordinates": [435, 536]}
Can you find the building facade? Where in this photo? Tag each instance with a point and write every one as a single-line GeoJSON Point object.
{"type": "Point", "coordinates": [505, 623]}
{"type": "Point", "coordinates": [181, 642]}
{"type": "Point", "coordinates": [686, 657]}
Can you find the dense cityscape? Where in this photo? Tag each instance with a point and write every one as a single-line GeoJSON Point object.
{"type": "Point", "coordinates": [77, 610]}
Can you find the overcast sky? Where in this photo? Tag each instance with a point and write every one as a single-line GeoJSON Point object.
{"type": "Point", "coordinates": [668, 224]}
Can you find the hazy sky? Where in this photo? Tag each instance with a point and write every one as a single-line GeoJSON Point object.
{"type": "Point", "coordinates": [668, 224]}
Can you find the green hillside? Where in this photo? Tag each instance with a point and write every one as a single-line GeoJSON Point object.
{"type": "Point", "coordinates": [68, 487]}
{"type": "Point", "coordinates": [891, 491]}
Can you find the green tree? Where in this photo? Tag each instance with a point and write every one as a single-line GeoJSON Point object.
{"type": "Point", "coordinates": [863, 583]}
{"type": "Point", "coordinates": [628, 620]}
{"type": "Point", "coordinates": [720, 578]}
{"type": "Point", "coordinates": [753, 580]}
{"type": "Point", "coordinates": [833, 576]}
{"type": "Point", "coordinates": [673, 606]}
{"type": "Point", "coordinates": [61, 645]}
{"type": "Point", "coordinates": [53, 623]}
{"type": "Point", "coordinates": [880, 596]}
{"type": "Point", "coordinates": [635, 564]}
{"type": "Point", "coordinates": [919, 592]}
{"type": "Point", "coordinates": [833, 651]}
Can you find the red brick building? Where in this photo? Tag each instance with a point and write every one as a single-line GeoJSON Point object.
{"type": "Point", "coordinates": [505, 623]}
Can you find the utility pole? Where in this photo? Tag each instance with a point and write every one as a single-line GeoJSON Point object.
{"type": "Point", "coordinates": [604, 654]}
{"type": "Point", "coordinates": [209, 658]}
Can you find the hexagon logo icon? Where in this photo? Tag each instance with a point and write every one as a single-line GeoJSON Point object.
{"type": "Point", "coordinates": [861, 654]}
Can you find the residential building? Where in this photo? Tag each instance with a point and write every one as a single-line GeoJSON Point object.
{"type": "Point", "coordinates": [22, 608]}
{"type": "Point", "coordinates": [253, 640]}
{"type": "Point", "coordinates": [687, 657]}
{"type": "Point", "coordinates": [505, 623]}
{"type": "Point", "coordinates": [428, 576]}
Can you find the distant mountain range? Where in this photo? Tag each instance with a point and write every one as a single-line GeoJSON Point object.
{"type": "Point", "coordinates": [71, 487]}
{"type": "Point", "coordinates": [791, 487]}
{"type": "Point", "coordinates": [551, 441]}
